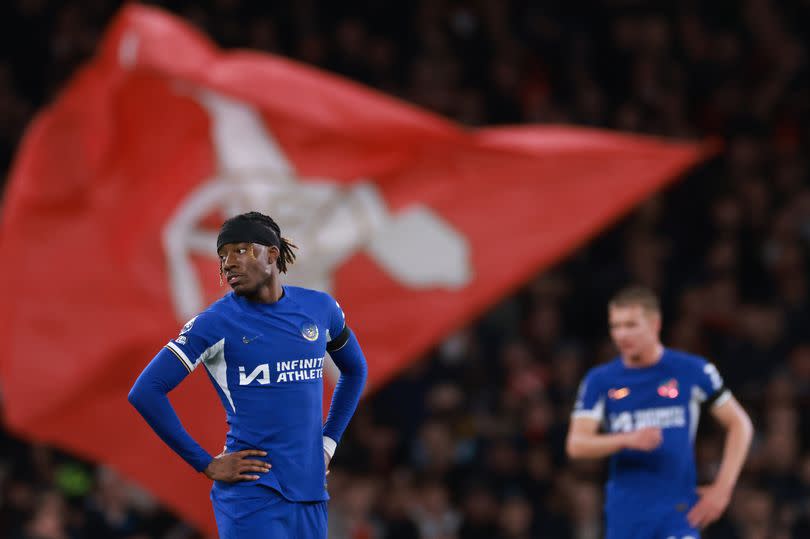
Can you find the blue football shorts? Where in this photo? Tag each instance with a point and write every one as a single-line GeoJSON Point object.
{"type": "Point", "coordinates": [266, 514]}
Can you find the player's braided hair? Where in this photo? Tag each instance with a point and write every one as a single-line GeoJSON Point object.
{"type": "Point", "coordinates": [287, 256]}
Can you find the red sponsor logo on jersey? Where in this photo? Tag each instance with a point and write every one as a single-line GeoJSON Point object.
{"type": "Point", "coordinates": [669, 389]}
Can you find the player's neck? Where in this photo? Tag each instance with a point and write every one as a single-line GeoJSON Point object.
{"type": "Point", "coordinates": [646, 358]}
{"type": "Point", "coordinates": [270, 292]}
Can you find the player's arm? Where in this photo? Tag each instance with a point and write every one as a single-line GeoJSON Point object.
{"type": "Point", "coordinates": [584, 440]}
{"type": "Point", "coordinates": [149, 395]}
{"type": "Point", "coordinates": [345, 351]}
{"type": "Point", "coordinates": [739, 431]}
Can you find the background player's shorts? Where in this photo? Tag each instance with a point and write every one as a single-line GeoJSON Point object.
{"type": "Point", "coordinates": [269, 516]}
{"type": "Point", "coordinates": [657, 525]}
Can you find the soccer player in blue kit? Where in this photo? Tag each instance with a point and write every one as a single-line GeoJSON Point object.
{"type": "Point", "coordinates": [263, 347]}
{"type": "Point", "coordinates": [647, 402]}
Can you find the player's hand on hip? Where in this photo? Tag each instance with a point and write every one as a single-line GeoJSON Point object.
{"type": "Point", "coordinates": [645, 439]}
{"type": "Point", "coordinates": [713, 501]}
{"type": "Point", "coordinates": [235, 467]}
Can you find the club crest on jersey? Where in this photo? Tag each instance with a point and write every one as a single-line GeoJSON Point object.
{"type": "Point", "coordinates": [618, 393]}
{"type": "Point", "coordinates": [668, 389]}
{"type": "Point", "coordinates": [310, 331]}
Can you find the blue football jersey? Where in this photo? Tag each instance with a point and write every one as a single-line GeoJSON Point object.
{"type": "Point", "coordinates": [667, 395]}
{"type": "Point", "coordinates": [266, 362]}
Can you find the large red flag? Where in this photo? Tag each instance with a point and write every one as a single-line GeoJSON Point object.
{"type": "Point", "coordinates": [413, 223]}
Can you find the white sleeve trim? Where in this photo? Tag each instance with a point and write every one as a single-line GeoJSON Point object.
{"type": "Point", "coordinates": [329, 446]}
{"type": "Point", "coordinates": [597, 412]}
{"type": "Point", "coordinates": [182, 355]}
{"type": "Point", "coordinates": [722, 399]}
{"type": "Point", "coordinates": [592, 414]}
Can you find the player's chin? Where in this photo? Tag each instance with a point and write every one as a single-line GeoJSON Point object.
{"type": "Point", "coordinates": [241, 289]}
{"type": "Point", "coordinates": [633, 356]}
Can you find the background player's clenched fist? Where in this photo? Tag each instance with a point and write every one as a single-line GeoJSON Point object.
{"type": "Point", "coordinates": [645, 439]}
{"type": "Point", "coordinates": [234, 467]}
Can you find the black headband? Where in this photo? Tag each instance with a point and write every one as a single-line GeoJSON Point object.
{"type": "Point", "coordinates": [244, 231]}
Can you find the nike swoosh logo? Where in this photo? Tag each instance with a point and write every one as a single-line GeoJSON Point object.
{"type": "Point", "coordinates": [248, 341]}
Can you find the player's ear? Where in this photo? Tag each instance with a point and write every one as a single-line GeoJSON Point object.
{"type": "Point", "coordinates": [655, 321]}
{"type": "Point", "coordinates": [272, 254]}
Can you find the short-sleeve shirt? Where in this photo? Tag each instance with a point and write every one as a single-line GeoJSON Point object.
{"type": "Point", "coordinates": [667, 395]}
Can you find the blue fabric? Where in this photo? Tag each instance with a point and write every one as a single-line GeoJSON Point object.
{"type": "Point", "coordinates": [148, 396]}
{"type": "Point", "coordinates": [668, 525]}
{"type": "Point", "coordinates": [265, 514]}
{"type": "Point", "coordinates": [353, 372]}
{"type": "Point", "coordinates": [667, 395]}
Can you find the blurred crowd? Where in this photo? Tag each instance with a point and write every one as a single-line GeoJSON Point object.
{"type": "Point", "coordinates": [468, 444]}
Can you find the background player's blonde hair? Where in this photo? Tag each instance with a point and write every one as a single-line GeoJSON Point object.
{"type": "Point", "coordinates": [636, 295]}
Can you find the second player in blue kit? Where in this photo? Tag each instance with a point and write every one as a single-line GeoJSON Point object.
{"type": "Point", "coordinates": [642, 410]}
{"type": "Point", "coordinates": [263, 346]}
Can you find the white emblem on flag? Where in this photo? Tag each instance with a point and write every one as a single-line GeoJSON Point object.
{"type": "Point", "coordinates": [328, 220]}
